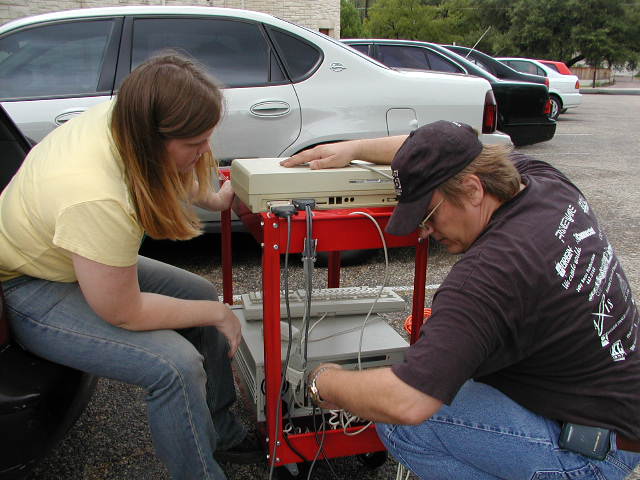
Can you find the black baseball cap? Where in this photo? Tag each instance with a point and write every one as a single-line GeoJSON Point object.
{"type": "Point", "coordinates": [429, 156]}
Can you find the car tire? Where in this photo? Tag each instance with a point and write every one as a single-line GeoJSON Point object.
{"type": "Point", "coordinates": [556, 107]}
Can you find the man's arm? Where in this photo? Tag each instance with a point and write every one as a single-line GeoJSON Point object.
{"type": "Point", "coordinates": [375, 394]}
{"type": "Point", "coordinates": [114, 294]}
{"type": "Point", "coordinates": [334, 155]}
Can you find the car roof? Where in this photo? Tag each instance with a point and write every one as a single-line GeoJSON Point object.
{"type": "Point", "coordinates": [137, 10]}
{"type": "Point", "coordinates": [453, 56]}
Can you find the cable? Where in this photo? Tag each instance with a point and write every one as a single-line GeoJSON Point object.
{"type": "Point", "coordinates": [309, 258]}
{"type": "Point", "coordinates": [400, 473]}
{"type": "Point", "coordinates": [283, 373]}
{"type": "Point", "coordinates": [384, 281]}
{"type": "Point", "coordinates": [370, 168]}
{"type": "Point", "coordinates": [336, 334]}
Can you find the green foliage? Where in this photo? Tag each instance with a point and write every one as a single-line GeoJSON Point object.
{"type": "Point", "coordinates": [603, 32]}
{"type": "Point", "coordinates": [351, 25]}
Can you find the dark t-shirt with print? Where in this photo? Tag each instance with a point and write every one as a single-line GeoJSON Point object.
{"type": "Point", "coordinates": [539, 308]}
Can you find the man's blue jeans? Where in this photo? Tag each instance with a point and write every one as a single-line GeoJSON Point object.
{"type": "Point", "coordinates": [186, 373]}
{"type": "Point", "coordinates": [484, 435]}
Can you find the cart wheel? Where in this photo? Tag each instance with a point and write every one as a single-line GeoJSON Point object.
{"type": "Point", "coordinates": [373, 460]}
{"type": "Point", "coordinates": [292, 471]}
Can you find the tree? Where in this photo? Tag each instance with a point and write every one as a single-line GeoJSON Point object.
{"type": "Point", "coordinates": [351, 25]}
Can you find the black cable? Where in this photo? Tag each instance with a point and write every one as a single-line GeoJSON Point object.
{"type": "Point", "coordinates": [309, 250]}
{"type": "Point", "coordinates": [315, 429]}
{"type": "Point", "coordinates": [283, 374]}
{"type": "Point", "coordinates": [286, 439]}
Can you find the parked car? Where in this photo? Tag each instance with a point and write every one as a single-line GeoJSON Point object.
{"type": "Point", "coordinates": [495, 67]}
{"type": "Point", "coordinates": [286, 88]}
{"type": "Point", "coordinates": [523, 107]}
{"type": "Point", "coordinates": [564, 90]}
{"type": "Point", "coordinates": [559, 67]}
{"type": "Point", "coordinates": [39, 400]}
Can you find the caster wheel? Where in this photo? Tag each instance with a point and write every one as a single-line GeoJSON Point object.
{"type": "Point", "coordinates": [292, 471]}
{"type": "Point", "coordinates": [373, 460]}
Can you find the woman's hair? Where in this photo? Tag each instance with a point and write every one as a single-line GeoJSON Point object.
{"type": "Point", "coordinates": [495, 170]}
{"type": "Point", "coordinates": [167, 97]}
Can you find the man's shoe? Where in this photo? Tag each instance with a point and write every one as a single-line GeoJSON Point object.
{"type": "Point", "coordinates": [248, 451]}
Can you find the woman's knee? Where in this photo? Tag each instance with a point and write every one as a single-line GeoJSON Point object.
{"type": "Point", "coordinates": [180, 363]}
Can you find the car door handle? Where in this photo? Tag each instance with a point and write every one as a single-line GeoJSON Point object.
{"type": "Point", "coordinates": [272, 108]}
{"type": "Point", "coordinates": [67, 115]}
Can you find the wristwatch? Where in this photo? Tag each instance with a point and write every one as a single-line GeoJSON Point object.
{"type": "Point", "coordinates": [314, 393]}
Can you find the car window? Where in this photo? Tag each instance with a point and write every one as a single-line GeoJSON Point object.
{"type": "Point", "coordinates": [551, 65]}
{"type": "Point", "coordinates": [441, 64]}
{"type": "Point", "coordinates": [403, 57]}
{"type": "Point", "coordinates": [361, 48]}
{"type": "Point", "coordinates": [300, 57]}
{"type": "Point", "coordinates": [236, 53]}
{"type": "Point", "coordinates": [526, 67]}
{"type": "Point", "coordinates": [53, 60]}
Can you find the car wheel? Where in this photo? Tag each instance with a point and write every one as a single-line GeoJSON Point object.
{"type": "Point", "coordinates": [556, 106]}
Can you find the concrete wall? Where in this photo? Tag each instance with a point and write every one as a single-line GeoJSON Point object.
{"type": "Point", "coordinates": [316, 14]}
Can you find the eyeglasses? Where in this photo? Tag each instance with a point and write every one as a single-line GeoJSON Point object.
{"type": "Point", "coordinates": [423, 223]}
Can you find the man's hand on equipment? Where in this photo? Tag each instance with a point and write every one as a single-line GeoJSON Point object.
{"type": "Point", "coordinates": [331, 155]}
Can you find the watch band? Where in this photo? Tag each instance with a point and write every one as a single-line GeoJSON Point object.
{"type": "Point", "coordinates": [314, 393]}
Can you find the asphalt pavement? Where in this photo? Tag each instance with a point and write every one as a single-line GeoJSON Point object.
{"type": "Point", "coordinates": [596, 145]}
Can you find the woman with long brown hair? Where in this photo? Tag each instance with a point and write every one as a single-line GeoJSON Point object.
{"type": "Point", "coordinates": [71, 223]}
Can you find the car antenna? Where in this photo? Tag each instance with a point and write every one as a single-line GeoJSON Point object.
{"type": "Point", "coordinates": [479, 40]}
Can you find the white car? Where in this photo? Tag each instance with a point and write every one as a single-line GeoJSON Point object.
{"type": "Point", "coordinates": [286, 87]}
{"type": "Point", "coordinates": [564, 90]}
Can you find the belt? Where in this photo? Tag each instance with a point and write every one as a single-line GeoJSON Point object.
{"type": "Point", "coordinates": [625, 444]}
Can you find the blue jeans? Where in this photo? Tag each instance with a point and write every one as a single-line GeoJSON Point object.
{"type": "Point", "coordinates": [186, 373]}
{"type": "Point", "coordinates": [485, 435]}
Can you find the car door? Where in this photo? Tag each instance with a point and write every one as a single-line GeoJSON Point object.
{"type": "Point", "coordinates": [51, 72]}
{"type": "Point", "coordinates": [261, 111]}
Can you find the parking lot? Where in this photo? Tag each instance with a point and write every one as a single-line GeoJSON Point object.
{"type": "Point", "coordinates": [597, 145]}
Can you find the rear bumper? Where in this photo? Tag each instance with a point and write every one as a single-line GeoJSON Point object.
{"type": "Point", "coordinates": [495, 138]}
{"type": "Point", "coordinates": [570, 100]}
{"type": "Point", "coordinates": [528, 133]}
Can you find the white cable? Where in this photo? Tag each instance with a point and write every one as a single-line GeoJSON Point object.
{"type": "Point", "coordinates": [372, 169]}
{"type": "Point", "coordinates": [384, 282]}
{"type": "Point", "coordinates": [337, 334]}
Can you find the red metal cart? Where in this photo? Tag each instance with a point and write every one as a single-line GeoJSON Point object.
{"type": "Point", "coordinates": [335, 230]}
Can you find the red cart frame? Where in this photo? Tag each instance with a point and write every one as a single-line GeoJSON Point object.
{"type": "Point", "coordinates": [335, 230]}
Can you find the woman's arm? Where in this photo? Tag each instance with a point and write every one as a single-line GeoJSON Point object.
{"type": "Point", "coordinates": [332, 155]}
{"type": "Point", "coordinates": [114, 294]}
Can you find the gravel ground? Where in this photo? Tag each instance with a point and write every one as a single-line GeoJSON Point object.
{"type": "Point", "coordinates": [595, 144]}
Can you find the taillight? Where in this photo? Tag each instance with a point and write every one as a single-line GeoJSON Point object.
{"type": "Point", "coordinates": [546, 81]}
{"type": "Point", "coordinates": [490, 114]}
{"type": "Point", "coordinates": [547, 107]}
{"type": "Point", "coordinates": [577, 84]}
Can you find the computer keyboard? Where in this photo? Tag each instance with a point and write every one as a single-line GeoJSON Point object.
{"type": "Point", "coordinates": [332, 301]}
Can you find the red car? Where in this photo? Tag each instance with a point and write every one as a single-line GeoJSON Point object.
{"type": "Point", "coordinates": [559, 67]}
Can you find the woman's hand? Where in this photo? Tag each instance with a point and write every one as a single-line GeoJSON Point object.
{"type": "Point", "coordinates": [225, 195]}
{"type": "Point", "coordinates": [216, 201]}
{"type": "Point", "coordinates": [230, 328]}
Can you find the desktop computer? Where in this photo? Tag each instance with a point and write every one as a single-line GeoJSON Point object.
{"type": "Point", "coordinates": [335, 339]}
{"type": "Point", "coordinates": [263, 182]}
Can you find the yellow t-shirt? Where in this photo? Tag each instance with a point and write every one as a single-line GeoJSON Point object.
{"type": "Point", "coordinates": [69, 195]}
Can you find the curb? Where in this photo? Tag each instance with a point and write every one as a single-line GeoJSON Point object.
{"type": "Point", "coordinates": [611, 91]}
